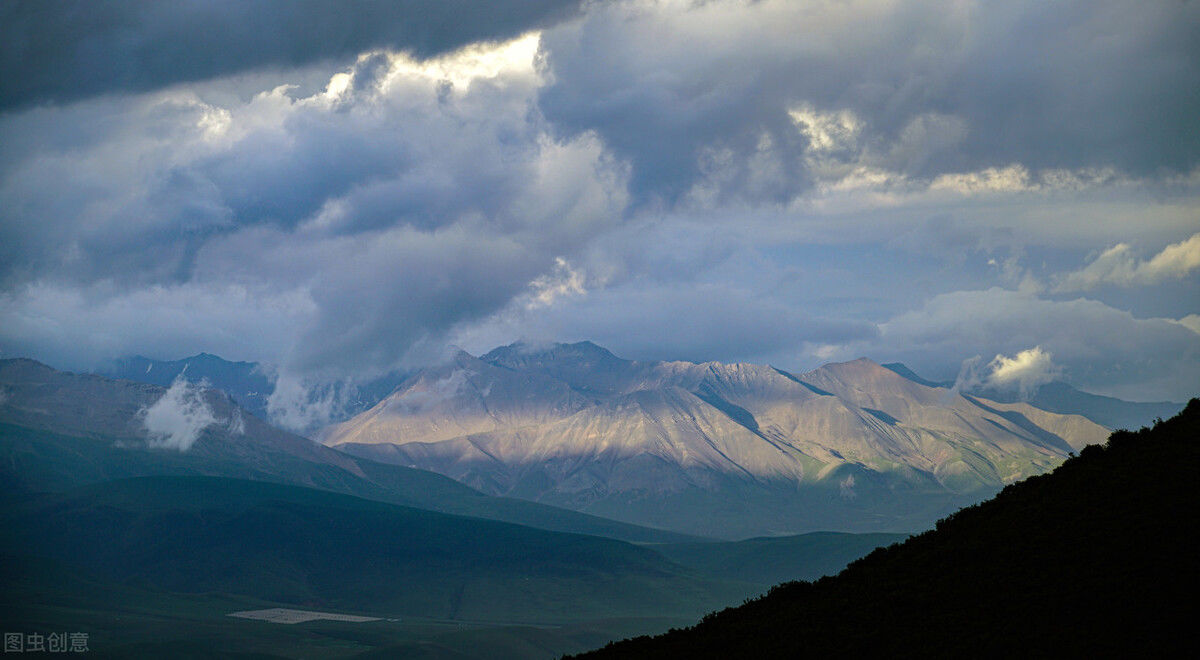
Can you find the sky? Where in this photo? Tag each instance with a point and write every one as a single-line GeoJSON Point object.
{"type": "Point", "coordinates": [1007, 193]}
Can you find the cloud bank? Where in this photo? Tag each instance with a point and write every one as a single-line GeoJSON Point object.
{"type": "Point", "coordinates": [1118, 266]}
{"type": "Point", "coordinates": [710, 93]}
{"type": "Point", "coordinates": [349, 191]}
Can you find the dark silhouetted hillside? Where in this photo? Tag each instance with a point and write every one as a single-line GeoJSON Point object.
{"type": "Point", "coordinates": [1096, 559]}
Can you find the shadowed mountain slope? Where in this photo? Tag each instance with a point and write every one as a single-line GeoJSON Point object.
{"type": "Point", "coordinates": [302, 546]}
{"type": "Point", "coordinates": [1095, 559]}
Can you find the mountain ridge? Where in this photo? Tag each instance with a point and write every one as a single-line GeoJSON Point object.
{"type": "Point", "coordinates": [255, 382]}
{"type": "Point", "coordinates": [60, 430]}
{"type": "Point", "coordinates": [577, 426]}
{"type": "Point", "coordinates": [251, 384]}
{"type": "Point", "coordinates": [1061, 397]}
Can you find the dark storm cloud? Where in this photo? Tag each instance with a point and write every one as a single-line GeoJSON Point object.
{"type": "Point", "coordinates": [67, 50]}
{"type": "Point", "coordinates": [171, 172]}
{"type": "Point", "coordinates": [935, 87]}
{"type": "Point", "coordinates": [372, 214]}
{"type": "Point", "coordinates": [1071, 84]}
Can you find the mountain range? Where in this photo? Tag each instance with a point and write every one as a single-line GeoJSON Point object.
{"type": "Point", "coordinates": [61, 430]}
{"type": "Point", "coordinates": [251, 385]}
{"type": "Point", "coordinates": [723, 450]}
{"type": "Point", "coordinates": [144, 515]}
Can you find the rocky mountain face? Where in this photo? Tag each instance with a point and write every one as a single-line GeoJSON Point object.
{"type": "Point", "coordinates": [246, 382]}
{"type": "Point", "coordinates": [729, 450]}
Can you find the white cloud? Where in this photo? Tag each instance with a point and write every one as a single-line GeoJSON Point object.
{"type": "Point", "coordinates": [826, 131]}
{"type": "Point", "coordinates": [1119, 266]}
{"type": "Point", "coordinates": [476, 61]}
{"type": "Point", "coordinates": [564, 281]}
{"type": "Point", "coordinates": [302, 404]}
{"type": "Point", "coordinates": [1026, 370]}
{"type": "Point", "coordinates": [176, 420]}
{"type": "Point", "coordinates": [1014, 178]}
